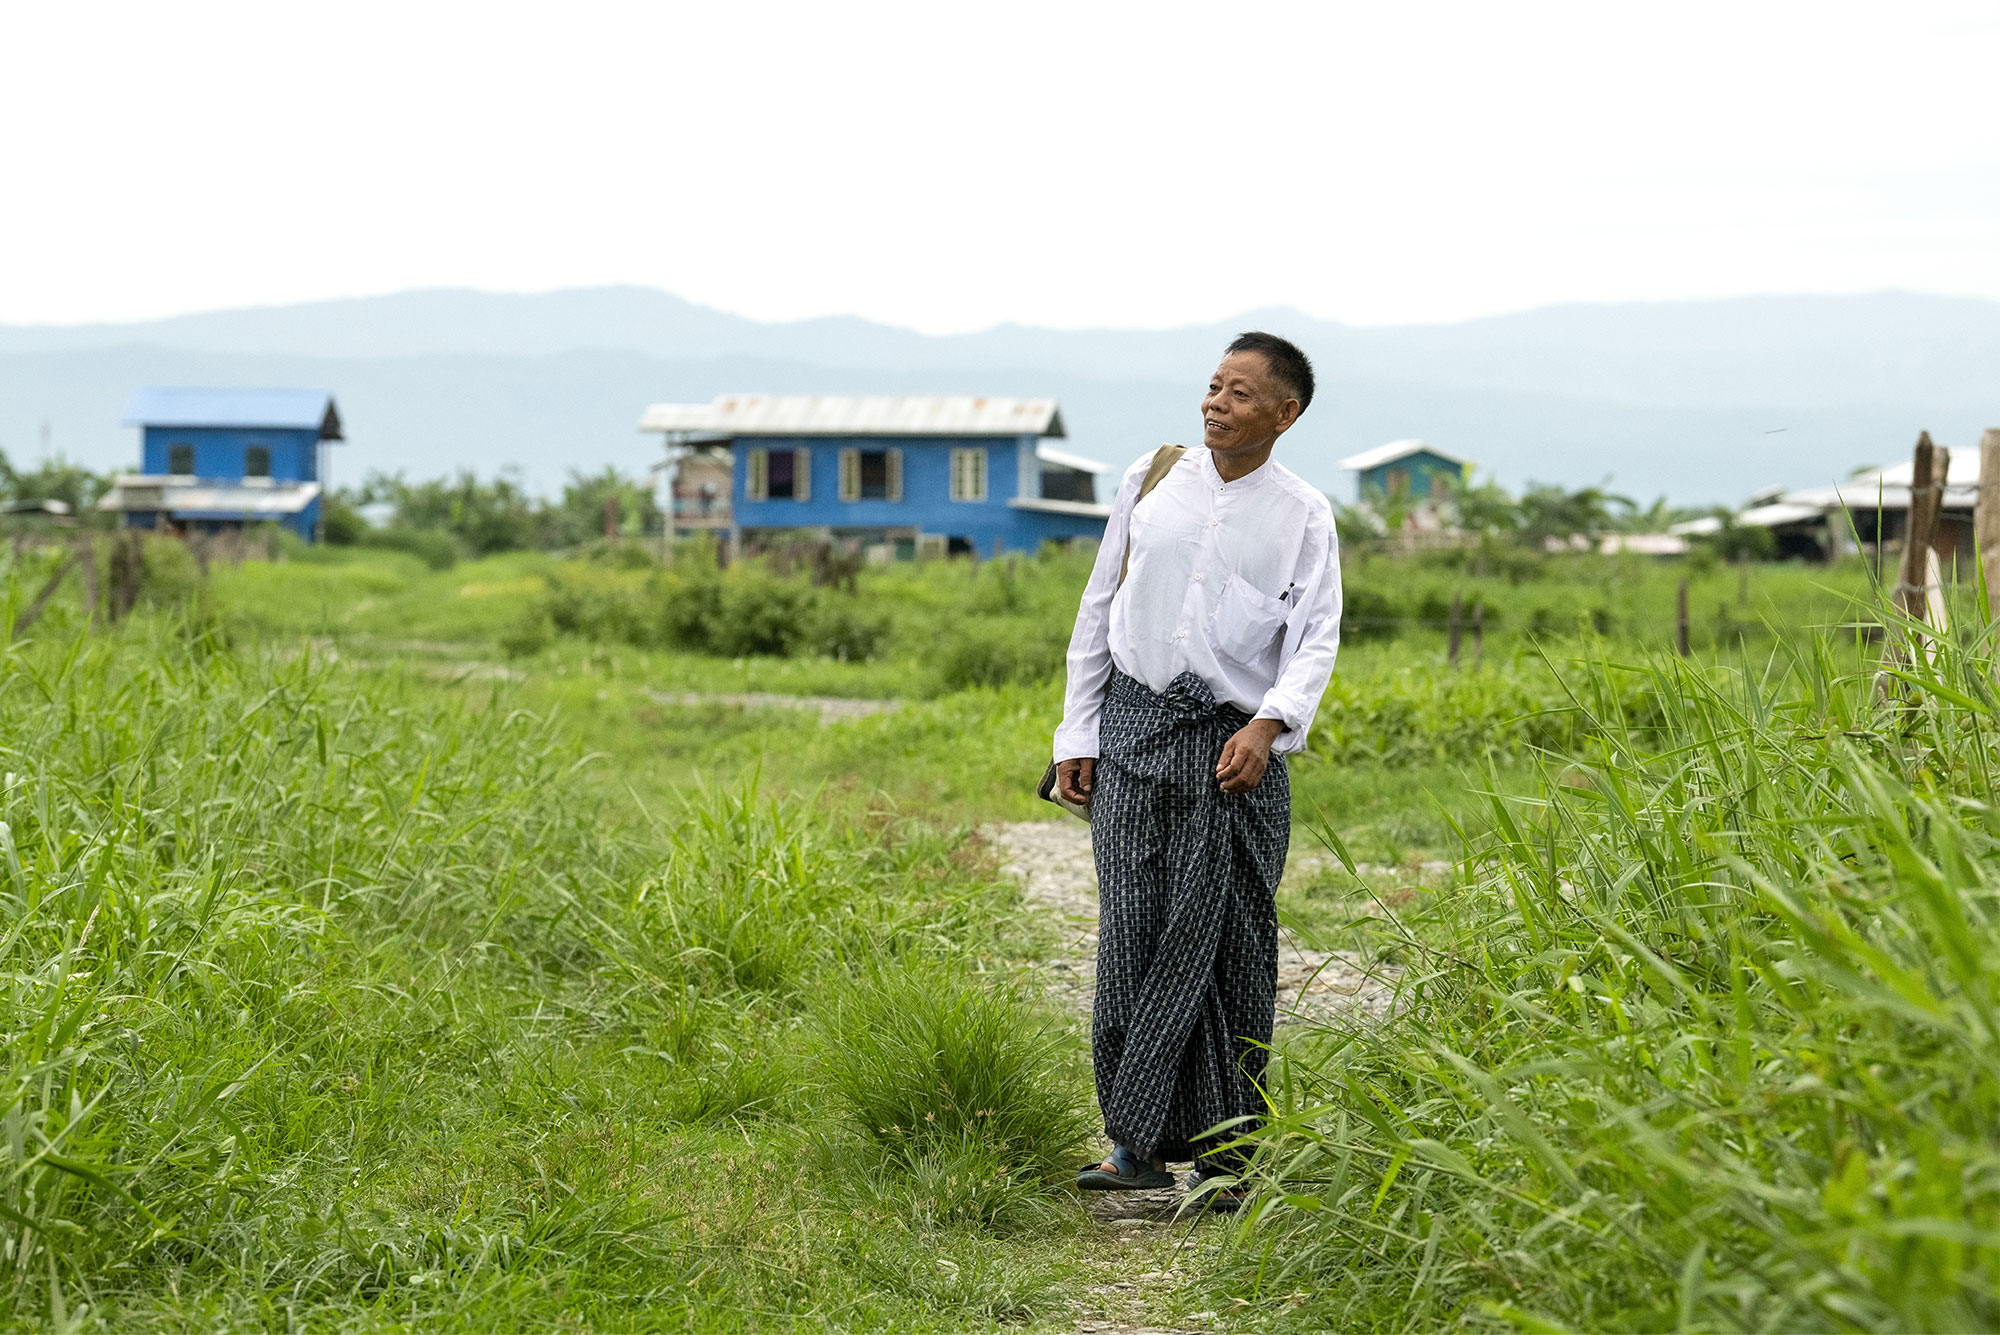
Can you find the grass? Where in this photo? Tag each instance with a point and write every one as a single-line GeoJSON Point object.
{"type": "Point", "coordinates": [333, 1004]}
{"type": "Point", "coordinates": [422, 985]}
{"type": "Point", "coordinates": [1701, 1039]}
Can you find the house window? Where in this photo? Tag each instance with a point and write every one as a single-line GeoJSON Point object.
{"type": "Point", "coordinates": [864, 475]}
{"type": "Point", "coordinates": [968, 474]}
{"type": "Point", "coordinates": [257, 461]}
{"type": "Point", "coordinates": [778, 475]}
{"type": "Point", "coordinates": [180, 460]}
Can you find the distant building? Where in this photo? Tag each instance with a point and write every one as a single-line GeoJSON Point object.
{"type": "Point", "coordinates": [1416, 471]}
{"type": "Point", "coordinates": [212, 460]}
{"type": "Point", "coordinates": [1870, 508]}
{"type": "Point", "coordinates": [898, 473]}
{"type": "Point", "coordinates": [700, 492]}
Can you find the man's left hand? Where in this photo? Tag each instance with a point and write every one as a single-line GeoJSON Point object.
{"type": "Point", "coordinates": [1245, 755]}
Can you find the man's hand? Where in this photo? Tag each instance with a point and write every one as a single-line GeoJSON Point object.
{"type": "Point", "coordinates": [1073, 779]}
{"type": "Point", "coordinates": [1245, 755]}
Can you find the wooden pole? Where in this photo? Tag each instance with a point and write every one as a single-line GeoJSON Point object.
{"type": "Point", "coordinates": [86, 551]}
{"type": "Point", "coordinates": [1478, 635]}
{"type": "Point", "coordinates": [1681, 619]}
{"type": "Point", "coordinates": [1930, 466]}
{"type": "Point", "coordinates": [1451, 650]}
{"type": "Point", "coordinates": [1986, 518]}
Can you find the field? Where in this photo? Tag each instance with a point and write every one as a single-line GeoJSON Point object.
{"type": "Point", "coordinates": [519, 946]}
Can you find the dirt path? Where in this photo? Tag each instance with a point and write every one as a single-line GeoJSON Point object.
{"type": "Point", "coordinates": [1148, 1257]}
{"type": "Point", "coordinates": [1053, 860]}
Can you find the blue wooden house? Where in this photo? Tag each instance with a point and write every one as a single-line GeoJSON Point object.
{"type": "Point", "coordinates": [905, 473]}
{"type": "Point", "coordinates": [212, 460]}
{"type": "Point", "coordinates": [1418, 472]}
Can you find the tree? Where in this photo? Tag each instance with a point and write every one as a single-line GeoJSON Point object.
{"type": "Point", "coordinates": [54, 480]}
{"type": "Point", "coordinates": [580, 516]}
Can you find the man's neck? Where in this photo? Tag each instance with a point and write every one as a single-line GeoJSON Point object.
{"type": "Point", "coordinates": [1238, 464]}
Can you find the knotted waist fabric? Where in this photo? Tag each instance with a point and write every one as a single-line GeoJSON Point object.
{"type": "Point", "coordinates": [1187, 947]}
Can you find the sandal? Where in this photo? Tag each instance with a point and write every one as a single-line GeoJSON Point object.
{"type": "Point", "coordinates": [1130, 1174]}
{"type": "Point", "coordinates": [1217, 1200]}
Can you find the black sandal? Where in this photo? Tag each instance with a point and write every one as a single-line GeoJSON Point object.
{"type": "Point", "coordinates": [1129, 1174]}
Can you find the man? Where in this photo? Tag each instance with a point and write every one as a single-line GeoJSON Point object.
{"type": "Point", "coordinates": [1203, 643]}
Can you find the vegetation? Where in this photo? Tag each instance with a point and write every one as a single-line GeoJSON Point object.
{"type": "Point", "coordinates": [390, 946]}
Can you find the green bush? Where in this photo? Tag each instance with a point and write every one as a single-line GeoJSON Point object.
{"type": "Point", "coordinates": [931, 1065]}
{"type": "Point", "coordinates": [434, 547]}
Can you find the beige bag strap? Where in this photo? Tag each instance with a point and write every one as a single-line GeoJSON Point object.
{"type": "Point", "coordinates": [1164, 460]}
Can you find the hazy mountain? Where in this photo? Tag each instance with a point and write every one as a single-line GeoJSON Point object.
{"type": "Point", "coordinates": [1703, 401]}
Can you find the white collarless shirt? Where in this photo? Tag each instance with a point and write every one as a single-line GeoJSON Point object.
{"type": "Point", "coordinates": [1237, 582]}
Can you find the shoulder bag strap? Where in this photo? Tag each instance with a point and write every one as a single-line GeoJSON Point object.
{"type": "Point", "coordinates": [1164, 460]}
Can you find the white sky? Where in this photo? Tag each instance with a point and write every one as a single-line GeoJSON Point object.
{"type": "Point", "coordinates": [951, 166]}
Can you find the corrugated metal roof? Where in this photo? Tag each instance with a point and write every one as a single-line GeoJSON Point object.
{"type": "Point", "coordinates": [1049, 454]}
{"type": "Point", "coordinates": [276, 409]}
{"type": "Point", "coordinates": [857, 415]}
{"type": "Point", "coordinates": [1394, 450]}
{"type": "Point", "coordinates": [198, 501]}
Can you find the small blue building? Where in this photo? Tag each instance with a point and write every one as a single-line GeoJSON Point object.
{"type": "Point", "coordinates": [1416, 471]}
{"type": "Point", "coordinates": [212, 460]}
{"type": "Point", "coordinates": [905, 473]}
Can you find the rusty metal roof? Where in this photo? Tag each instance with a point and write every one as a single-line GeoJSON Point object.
{"type": "Point", "coordinates": [856, 415]}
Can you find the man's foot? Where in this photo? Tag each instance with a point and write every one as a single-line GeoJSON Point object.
{"type": "Point", "coordinates": [1216, 1200]}
{"type": "Point", "coordinates": [1122, 1170]}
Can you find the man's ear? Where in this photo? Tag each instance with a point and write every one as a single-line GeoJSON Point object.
{"type": "Point", "coordinates": [1288, 413]}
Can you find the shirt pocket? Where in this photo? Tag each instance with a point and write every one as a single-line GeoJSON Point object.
{"type": "Point", "coordinates": [1245, 624]}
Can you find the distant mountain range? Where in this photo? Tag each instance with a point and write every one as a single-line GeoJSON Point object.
{"type": "Point", "coordinates": [1702, 401]}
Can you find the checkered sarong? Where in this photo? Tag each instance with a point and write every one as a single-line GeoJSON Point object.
{"type": "Point", "coordinates": [1187, 947]}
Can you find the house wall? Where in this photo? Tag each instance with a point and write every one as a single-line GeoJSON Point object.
{"type": "Point", "coordinates": [219, 451]}
{"type": "Point", "coordinates": [926, 505]}
{"type": "Point", "coordinates": [1421, 469]}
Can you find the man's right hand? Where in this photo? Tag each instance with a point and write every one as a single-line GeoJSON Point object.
{"type": "Point", "coordinates": [1073, 779]}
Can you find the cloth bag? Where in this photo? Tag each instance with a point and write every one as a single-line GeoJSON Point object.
{"type": "Point", "coordinates": [1164, 460]}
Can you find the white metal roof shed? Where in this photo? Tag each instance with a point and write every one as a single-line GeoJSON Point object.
{"type": "Point", "coordinates": [856, 415]}
{"type": "Point", "coordinates": [1394, 450]}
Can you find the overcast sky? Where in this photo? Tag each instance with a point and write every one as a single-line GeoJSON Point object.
{"type": "Point", "coordinates": [953, 166]}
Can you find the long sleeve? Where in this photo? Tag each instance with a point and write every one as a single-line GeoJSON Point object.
{"type": "Point", "coordinates": [1304, 670]}
{"type": "Point", "coordinates": [1089, 659]}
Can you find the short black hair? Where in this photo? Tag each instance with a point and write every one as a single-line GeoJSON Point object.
{"type": "Point", "coordinates": [1289, 367]}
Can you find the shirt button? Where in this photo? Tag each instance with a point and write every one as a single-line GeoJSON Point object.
{"type": "Point", "coordinates": [1181, 634]}
{"type": "Point", "coordinates": [1199, 576]}
{"type": "Point", "coordinates": [1214, 523]}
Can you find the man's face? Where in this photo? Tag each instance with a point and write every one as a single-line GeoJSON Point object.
{"type": "Point", "coordinates": [1245, 409]}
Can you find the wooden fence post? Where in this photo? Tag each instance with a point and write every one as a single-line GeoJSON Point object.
{"type": "Point", "coordinates": [86, 551]}
{"type": "Point", "coordinates": [1986, 518]}
{"type": "Point", "coordinates": [1929, 469]}
{"type": "Point", "coordinates": [1681, 619]}
{"type": "Point", "coordinates": [1451, 649]}
{"type": "Point", "coordinates": [1478, 635]}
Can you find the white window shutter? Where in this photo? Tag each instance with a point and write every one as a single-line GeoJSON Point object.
{"type": "Point", "coordinates": [802, 475]}
{"type": "Point", "coordinates": [757, 476]}
{"type": "Point", "coordinates": [977, 464]}
{"type": "Point", "coordinates": [850, 475]}
{"type": "Point", "coordinates": [895, 474]}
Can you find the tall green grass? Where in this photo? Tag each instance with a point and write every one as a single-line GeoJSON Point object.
{"type": "Point", "coordinates": [329, 1000]}
{"type": "Point", "coordinates": [1707, 1037]}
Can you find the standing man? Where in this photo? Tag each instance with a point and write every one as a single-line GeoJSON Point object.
{"type": "Point", "coordinates": [1203, 643]}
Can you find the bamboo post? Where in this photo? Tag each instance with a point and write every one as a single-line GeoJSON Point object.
{"type": "Point", "coordinates": [1681, 619]}
{"type": "Point", "coordinates": [1986, 518]}
{"type": "Point", "coordinates": [1451, 649]}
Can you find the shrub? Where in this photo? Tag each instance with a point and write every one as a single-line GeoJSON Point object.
{"type": "Point", "coordinates": [933, 1065]}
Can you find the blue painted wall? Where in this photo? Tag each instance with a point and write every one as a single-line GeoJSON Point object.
{"type": "Point", "coordinates": [926, 503]}
{"type": "Point", "coordinates": [220, 452]}
{"type": "Point", "coordinates": [1420, 469]}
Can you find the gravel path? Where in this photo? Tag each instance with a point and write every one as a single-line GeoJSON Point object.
{"type": "Point", "coordinates": [1053, 859]}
